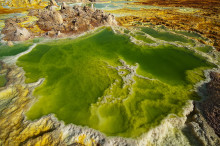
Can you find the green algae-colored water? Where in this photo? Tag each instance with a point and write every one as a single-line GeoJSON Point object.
{"type": "Point", "coordinates": [3, 79]}
{"type": "Point", "coordinates": [143, 38]}
{"type": "Point", "coordinates": [205, 49]}
{"type": "Point", "coordinates": [87, 84]}
{"type": "Point", "coordinates": [190, 34]}
{"type": "Point", "coordinates": [11, 51]}
{"type": "Point", "coordinates": [167, 36]}
{"type": "Point", "coordinates": [14, 50]}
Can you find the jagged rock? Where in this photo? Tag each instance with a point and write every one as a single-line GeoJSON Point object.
{"type": "Point", "coordinates": [21, 34]}
{"type": "Point", "coordinates": [49, 20]}
{"type": "Point", "coordinates": [211, 106]}
{"type": "Point", "coordinates": [13, 32]}
{"type": "Point", "coordinates": [75, 19]}
{"type": "Point", "coordinates": [68, 20]}
{"type": "Point", "coordinates": [10, 43]}
{"type": "Point", "coordinates": [58, 33]}
{"type": "Point", "coordinates": [64, 6]}
{"type": "Point", "coordinates": [57, 17]}
{"type": "Point", "coordinates": [53, 8]}
{"type": "Point", "coordinates": [10, 27]}
{"type": "Point", "coordinates": [53, 3]}
{"type": "Point", "coordinates": [33, 12]}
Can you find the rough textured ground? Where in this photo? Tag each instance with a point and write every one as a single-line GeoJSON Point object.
{"type": "Point", "coordinates": [15, 99]}
{"type": "Point", "coordinates": [211, 106]}
{"type": "Point", "coordinates": [56, 23]}
{"type": "Point", "coordinates": [202, 18]}
{"type": "Point", "coordinates": [212, 5]}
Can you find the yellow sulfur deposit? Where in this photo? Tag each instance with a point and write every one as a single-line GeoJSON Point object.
{"type": "Point", "coordinates": [25, 3]}
{"type": "Point", "coordinates": [84, 140]}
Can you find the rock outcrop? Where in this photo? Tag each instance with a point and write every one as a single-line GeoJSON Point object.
{"type": "Point", "coordinates": [75, 19]}
{"type": "Point", "coordinates": [211, 106]}
{"type": "Point", "coordinates": [68, 21]}
{"type": "Point", "coordinates": [13, 32]}
{"type": "Point", "coordinates": [53, 3]}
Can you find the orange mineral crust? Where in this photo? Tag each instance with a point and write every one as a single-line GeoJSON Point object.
{"type": "Point", "coordinates": [191, 15]}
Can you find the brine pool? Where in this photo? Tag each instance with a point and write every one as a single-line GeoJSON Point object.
{"type": "Point", "coordinates": [104, 81]}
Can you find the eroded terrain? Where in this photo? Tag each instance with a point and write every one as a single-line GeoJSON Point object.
{"type": "Point", "coordinates": [130, 78]}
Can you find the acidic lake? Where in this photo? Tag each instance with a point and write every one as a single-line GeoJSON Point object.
{"type": "Point", "coordinates": [104, 81]}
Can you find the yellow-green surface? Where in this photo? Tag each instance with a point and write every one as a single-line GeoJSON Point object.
{"type": "Point", "coordinates": [2, 80]}
{"type": "Point", "coordinates": [13, 50]}
{"type": "Point", "coordinates": [83, 87]}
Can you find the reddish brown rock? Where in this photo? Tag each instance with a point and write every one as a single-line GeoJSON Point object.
{"type": "Point", "coordinates": [211, 106]}
{"type": "Point", "coordinates": [68, 21]}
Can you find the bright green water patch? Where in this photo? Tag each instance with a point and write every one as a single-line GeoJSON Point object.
{"type": "Point", "coordinates": [140, 36]}
{"type": "Point", "coordinates": [190, 34]}
{"type": "Point", "coordinates": [83, 86]}
{"type": "Point", "coordinates": [126, 31]}
{"type": "Point", "coordinates": [205, 49]}
{"type": "Point", "coordinates": [14, 50]}
{"type": "Point", "coordinates": [167, 36]}
{"type": "Point", "coordinates": [37, 40]}
{"type": "Point", "coordinates": [3, 80]}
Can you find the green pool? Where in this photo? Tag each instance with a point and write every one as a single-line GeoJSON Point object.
{"type": "Point", "coordinates": [14, 50]}
{"type": "Point", "coordinates": [105, 82]}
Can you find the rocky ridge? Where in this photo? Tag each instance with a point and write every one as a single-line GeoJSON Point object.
{"type": "Point", "coordinates": [13, 32]}
{"type": "Point", "coordinates": [210, 107]}
{"type": "Point", "coordinates": [57, 23]}
{"type": "Point", "coordinates": [203, 121]}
